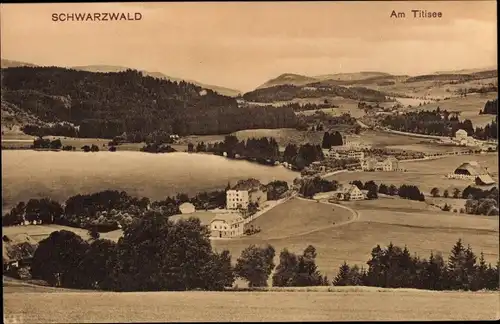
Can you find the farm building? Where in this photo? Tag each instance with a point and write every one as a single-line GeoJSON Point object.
{"type": "Point", "coordinates": [349, 192]}
{"type": "Point", "coordinates": [388, 164]}
{"type": "Point", "coordinates": [245, 192]}
{"type": "Point", "coordinates": [472, 171]}
{"type": "Point", "coordinates": [221, 225]}
{"type": "Point", "coordinates": [226, 225]}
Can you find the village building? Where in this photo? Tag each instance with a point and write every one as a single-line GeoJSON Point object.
{"type": "Point", "coordinates": [349, 192]}
{"type": "Point", "coordinates": [220, 224]}
{"type": "Point", "coordinates": [472, 171]}
{"type": "Point", "coordinates": [244, 193]}
{"type": "Point", "coordinates": [356, 155]}
{"type": "Point", "coordinates": [388, 164]}
{"type": "Point", "coordinates": [460, 134]}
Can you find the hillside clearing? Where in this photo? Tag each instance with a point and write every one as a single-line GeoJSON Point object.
{"type": "Point", "coordinates": [82, 307]}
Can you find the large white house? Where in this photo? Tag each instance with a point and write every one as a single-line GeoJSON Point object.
{"type": "Point", "coordinates": [244, 193]}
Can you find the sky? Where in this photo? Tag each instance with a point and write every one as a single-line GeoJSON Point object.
{"type": "Point", "coordinates": [242, 45]}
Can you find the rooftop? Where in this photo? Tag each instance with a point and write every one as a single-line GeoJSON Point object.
{"type": "Point", "coordinates": [205, 217]}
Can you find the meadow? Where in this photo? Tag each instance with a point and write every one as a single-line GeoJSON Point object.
{"type": "Point", "coordinates": [58, 175]}
{"type": "Point", "coordinates": [339, 304]}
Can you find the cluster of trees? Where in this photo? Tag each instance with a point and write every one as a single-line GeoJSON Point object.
{"type": "Point", "coordinates": [331, 139]}
{"type": "Point", "coordinates": [491, 107]}
{"type": "Point", "coordinates": [256, 149]}
{"type": "Point", "coordinates": [446, 194]}
{"type": "Point", "coordinates": [58, 129]}
{"type": "Point", "coordinates": [404, 191]}
{"type": "Point", "coordinates": [298, 271]}
{"type": "Point", "coordinates": [311, 186]}
{"type": "Point", "coordinates": [105, 105]}
{"type": "Point", "coordinates": [310, 106]}
{"type": "Point", "coordinates": [106, 210]}
{"type": "Point", "coordinates": [303, 155]}
{"type": "Point", "coordinates": [276, 189]}
{"type": "Point", "coordinates": [437, 122]}
{"type": "Point", "coordinates": [288, 92]}
{"type": "Point", "coordinates": [481, 202]}
{"type": "Point", "coordinates": [395, 267]}
{"type": "Point", "coordinates": [158, 148]}
{"type": "Point", "coordinates": [45, 143]}
{"type": "Point", "coordinates": [137, 261]}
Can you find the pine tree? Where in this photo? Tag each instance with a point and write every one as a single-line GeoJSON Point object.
{"type": "Point", "coordinates": [480, 275]}
{"type": "Point", "coordinates": [343, 276]}
{"type": "Point", "coordinates": [456, 266]}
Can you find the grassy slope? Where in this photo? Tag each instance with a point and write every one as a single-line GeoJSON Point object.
{"type": "Point", "coordinates": [343, 305]}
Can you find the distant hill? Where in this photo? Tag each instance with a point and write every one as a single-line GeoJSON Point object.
{"type": "Point", "coordinates": [352, 76]}
{"type": "Point", "coordinates": [454, 77]}
{"type": "Point", "coordinates": [10, 63]}
{"type": "Point", "coordinates": [111, 68]}
{"type": "Point", "coordinates": [290, 79]}
{"type": "Point", "coordinates": [288, 92]}
{"type": "Point", "coordinates": [467, 71]}
{"type": "Point", "coordinates": [105, 105]}
{"type": "Point", "coordinates": [331, 79]}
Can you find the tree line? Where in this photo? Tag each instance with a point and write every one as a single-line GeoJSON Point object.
{"type": "Point", "coordinates": [395, 267]}
{"type": "Point", "coordinates": [437, 122]}
{"type": "Point", "coordinates": [105, 105]}
{"type": "Point", "coordinates": [405, 191]}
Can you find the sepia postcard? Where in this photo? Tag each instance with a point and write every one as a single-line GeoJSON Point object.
{"type": "Point", "coordinates": [249, 161]}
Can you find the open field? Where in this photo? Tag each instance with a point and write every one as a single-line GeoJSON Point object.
{"type": "Point", "coordinates": [425, 174]}
{"type": "Point", "coordinates": [59, 175]}
{"type": "Point", "coordinates": [348, 304]}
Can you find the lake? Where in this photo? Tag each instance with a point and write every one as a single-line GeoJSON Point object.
{"type": "Point", "coordinates": [58, 175]}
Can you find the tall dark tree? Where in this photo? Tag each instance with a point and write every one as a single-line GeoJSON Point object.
{"type": "Point", "coordinates": [255, 265]}
{"type": "Point", "coordinates": [58, 258]}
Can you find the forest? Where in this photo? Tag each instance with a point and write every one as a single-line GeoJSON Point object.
{"type": "Point", "coordinates": [106, 105]}
{"type": "Point", "coordinates": [289, 92]}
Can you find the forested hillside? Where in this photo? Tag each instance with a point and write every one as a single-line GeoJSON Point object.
{"type": "Point", "coordinates": [315, 90]}
{"type": "Point", "coordinates": [108, 104]}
